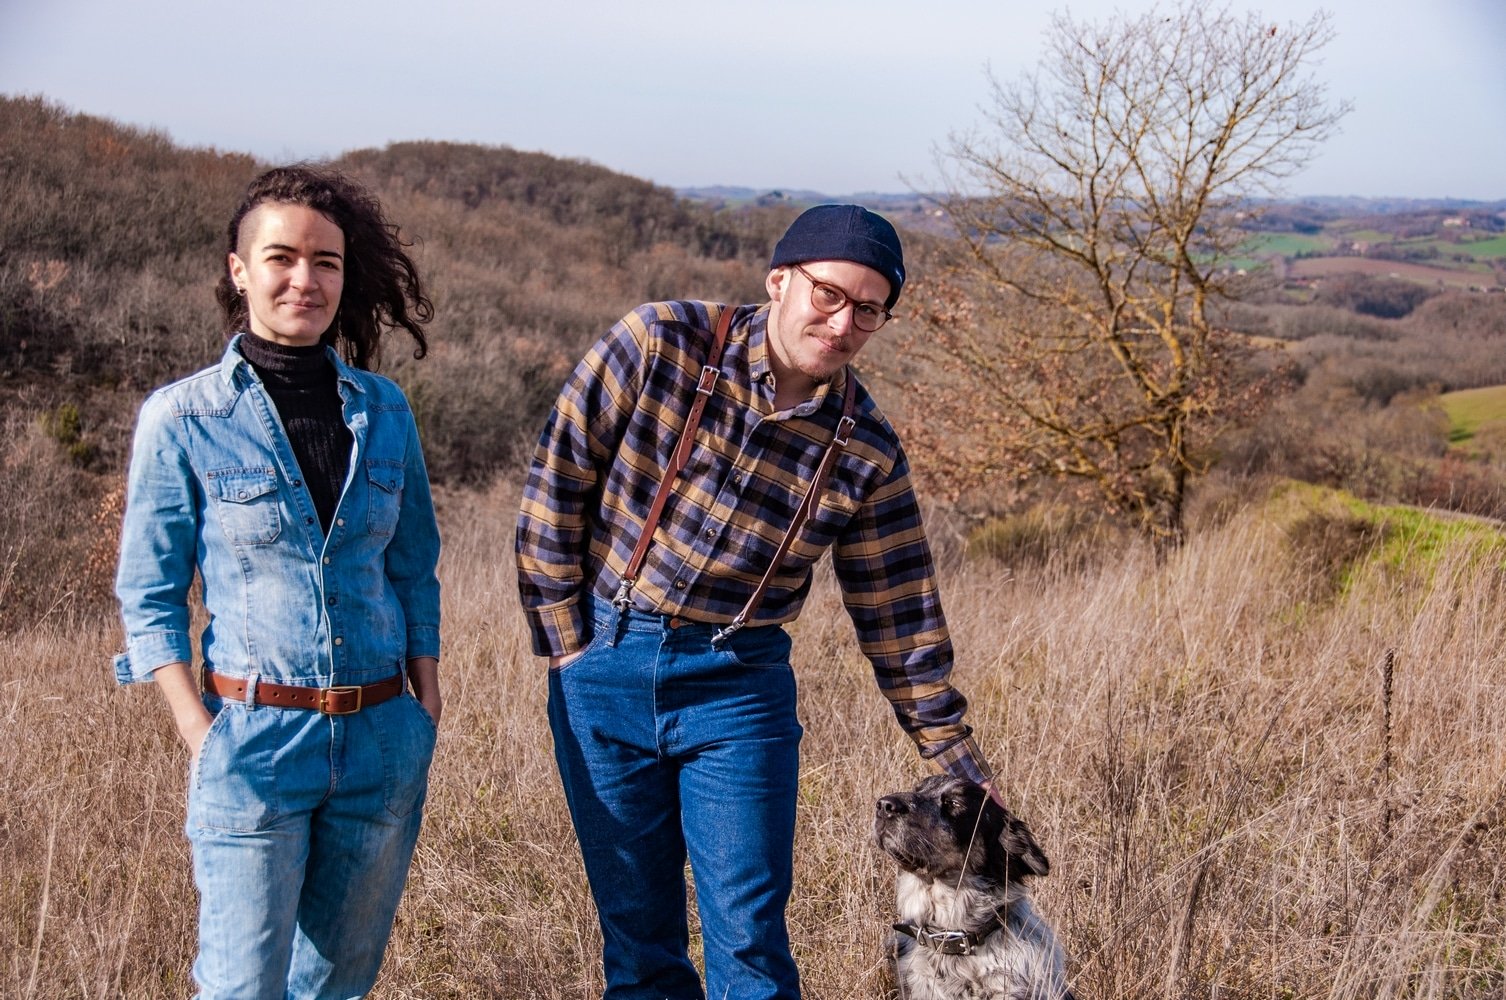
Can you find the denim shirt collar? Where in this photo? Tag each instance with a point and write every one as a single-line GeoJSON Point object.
{"type": "Point", "coordinates": [234, 361]}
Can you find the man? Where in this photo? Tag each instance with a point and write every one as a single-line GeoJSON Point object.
{"type": "Point", "coordinates": [674, 727]}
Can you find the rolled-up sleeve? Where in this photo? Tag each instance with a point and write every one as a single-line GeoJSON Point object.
{"type": "Point", "coordinates": [888, 579]}
{"type": "Point", "coordinates": [157, 547]}
{"type": "Point", "coordinates": [412, 556]}
{"type": "Point", "coordinates": [577, 445]}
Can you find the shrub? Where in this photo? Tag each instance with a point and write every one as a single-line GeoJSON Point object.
{"type": "Point", "coordinates": [1066, 535]}
{"type": "Point", "coordinates": [51, 521]}
{"type": "Point", "coordinates": [1324, 545]}
{"type": "Point", "coordinates": [1456, 484]}
{"type": "Point", "coordinates": [66, 426]}
{"type": "Point", "coordinates": [1372, 295]}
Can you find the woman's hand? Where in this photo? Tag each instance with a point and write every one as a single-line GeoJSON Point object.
{"type": "Point", "coordinates": [193, 735]}
{"type": "Point", "coordinates": [423, 674]}
{"type": "Point", "coordinates": [189, 714]}
{"type": "Point", "coordinates": [555, 662]}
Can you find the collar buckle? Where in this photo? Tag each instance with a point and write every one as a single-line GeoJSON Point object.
{"type": "Point", "coordinates": [949, 942]}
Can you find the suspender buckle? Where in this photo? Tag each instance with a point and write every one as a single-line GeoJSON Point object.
{"type": "Point", "coordinates": [844, 431]}
{"type": "Point", "coordinates": [707, 385]}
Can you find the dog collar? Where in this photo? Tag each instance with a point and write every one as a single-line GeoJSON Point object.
{"type": "Point", "coordinates": [950, 942]}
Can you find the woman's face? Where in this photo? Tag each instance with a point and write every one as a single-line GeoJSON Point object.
{"type": "Point", "coordinates": [290, 266]}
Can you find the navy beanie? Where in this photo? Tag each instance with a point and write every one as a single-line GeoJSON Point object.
{"type": "Point", "coordinates": [844, 232]}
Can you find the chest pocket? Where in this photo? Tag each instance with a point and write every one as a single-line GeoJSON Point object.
{"type": "Point", "coordinates": [245, 500]}
{"type": "Point", "coordinates": [384, 481]}
{"type": "Point", "coordinates": [836, 508]}
{"type": "Point", "coordinates": [834, 511]}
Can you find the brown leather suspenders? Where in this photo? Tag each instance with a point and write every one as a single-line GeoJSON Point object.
{"type": "Point", "coordinates": [704, 389]}
{"type": "Point", "coordinates": [838, 441]}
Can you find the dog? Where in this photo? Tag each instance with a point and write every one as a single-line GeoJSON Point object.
{"type": "Point", "coordinates": [967, 927]}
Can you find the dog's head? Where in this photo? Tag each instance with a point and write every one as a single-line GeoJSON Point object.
{"type": "Point", "coordinates": [947, 827]}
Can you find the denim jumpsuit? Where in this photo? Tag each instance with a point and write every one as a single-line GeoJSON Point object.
{"type": "Point", "coordinates": [302, 824]}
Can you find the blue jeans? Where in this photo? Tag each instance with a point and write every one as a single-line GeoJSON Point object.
{"type": "Point", "coordinates": [302, 827]}
{"type": "Point", "coordinates": [668, 748]}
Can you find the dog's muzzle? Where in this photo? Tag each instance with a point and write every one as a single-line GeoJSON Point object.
{"type": "Point", "coordinates": [950, 942]}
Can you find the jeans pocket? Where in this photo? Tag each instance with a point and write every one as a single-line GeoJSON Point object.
{"type": "Point", "coordinates": [215, 708]}
{"type": "Point", "coordinates": [766, 647]}
{"type": "Point", "coordinates": [406, 735]}
{"type": "Point", "coordinates": [601, 633]}
{"type": "Point", "coordinates": [234, 784]}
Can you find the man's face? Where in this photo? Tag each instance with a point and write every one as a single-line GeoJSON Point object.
{"type": "Point", "coordinates": [807, 346]}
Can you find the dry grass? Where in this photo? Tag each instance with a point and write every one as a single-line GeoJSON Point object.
{"type": "Point", "coordinates": [1240, 798]}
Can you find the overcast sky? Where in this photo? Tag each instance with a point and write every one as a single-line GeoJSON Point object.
{"type": "Point", "coordinates": [841, 97]}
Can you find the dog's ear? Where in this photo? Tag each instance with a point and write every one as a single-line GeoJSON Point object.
{"type": "Point", "coordinates": [1018, 853]}
{"type": "Point", "coordinates": [1020, 843]}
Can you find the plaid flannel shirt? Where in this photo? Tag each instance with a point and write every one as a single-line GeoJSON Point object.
{"type": "Point", "coordinates": [598, 466]}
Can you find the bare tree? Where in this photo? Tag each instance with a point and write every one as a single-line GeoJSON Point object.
{"type": "Point", "coordinates": [1098, 216]}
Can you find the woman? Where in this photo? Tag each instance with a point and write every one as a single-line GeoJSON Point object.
{"type": "Point", "coordinates": [293, 482]}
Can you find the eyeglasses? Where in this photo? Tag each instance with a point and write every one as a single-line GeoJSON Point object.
{"type": "Point", "coordinates": [829, 299]}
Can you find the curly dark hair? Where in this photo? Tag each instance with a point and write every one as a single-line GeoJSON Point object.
{"type": "Point", "coordinates": [382, 287]}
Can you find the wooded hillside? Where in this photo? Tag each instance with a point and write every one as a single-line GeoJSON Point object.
{"type": "Point", "coordinates": [113, 238]}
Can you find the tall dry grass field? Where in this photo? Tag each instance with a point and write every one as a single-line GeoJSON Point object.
{"type": "Point", "coordinates": [1271, 766]}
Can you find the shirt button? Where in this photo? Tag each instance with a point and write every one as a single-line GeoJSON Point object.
{"type": "Point", "coordinates": [339, 641]}
{"type": "Point", "coordinates": [326, 560]}
{"type": "Point", "coordinates": [710, 534]}
{"type": "Point", "coordinates": [308, 520]}
{"type": "Point", "coordinates": [298, 482]}
{"type": "Point", "coordinates": [680, 584]}
{"type": "Point", "coordinates": [333, 601]}
{"type": "Point", "coordinates": [340, 521]}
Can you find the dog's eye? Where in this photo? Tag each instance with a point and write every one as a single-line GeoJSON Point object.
{"type": "Point", "coordinates": [955, 804]}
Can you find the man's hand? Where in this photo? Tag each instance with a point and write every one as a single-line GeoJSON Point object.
{"type": "Point", "coordinates": [555, 662]}
{"type": "Point", "coordinates": [993, 793]}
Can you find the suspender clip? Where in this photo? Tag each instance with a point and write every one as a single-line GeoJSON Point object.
{"type": "Point", "coordinates": [719, 639]}
{"type": "Point", "coordinates": [623, 601]}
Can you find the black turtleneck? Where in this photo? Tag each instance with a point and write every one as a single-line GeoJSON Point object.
{"type": "Point", "coordinates": [303, 387]}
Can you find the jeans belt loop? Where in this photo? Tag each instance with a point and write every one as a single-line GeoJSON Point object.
{"type": "Point", "coordinates": [251, 682]}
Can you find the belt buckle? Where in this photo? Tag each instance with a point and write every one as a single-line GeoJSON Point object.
{"type": "Point", "coordinates": [324, 696]}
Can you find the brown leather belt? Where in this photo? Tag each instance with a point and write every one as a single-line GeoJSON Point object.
{"type": "Point", "coordinates": [330, 700]}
